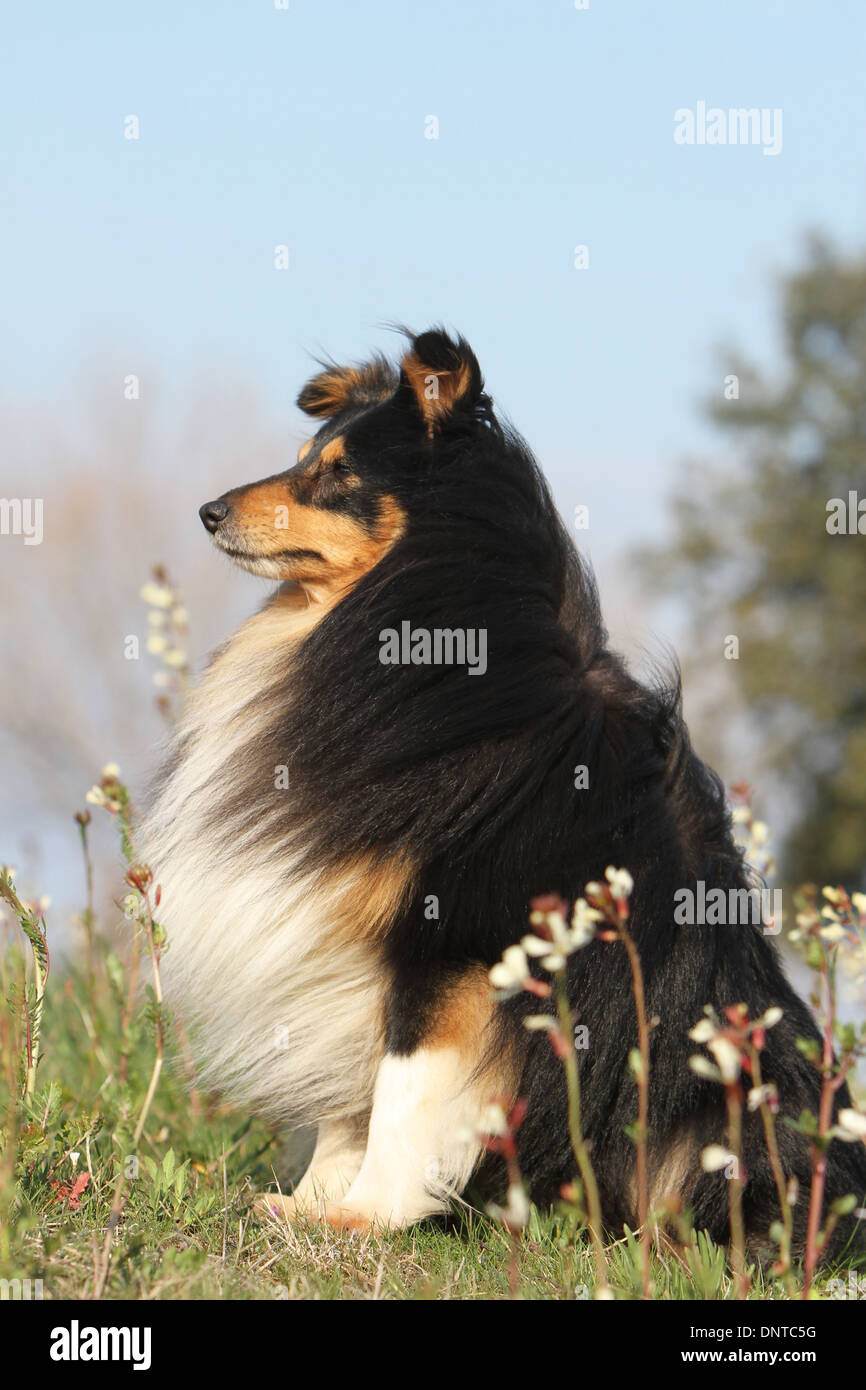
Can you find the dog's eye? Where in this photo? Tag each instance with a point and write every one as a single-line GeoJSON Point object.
{"type": "Point", "coordinates": [341, 468]}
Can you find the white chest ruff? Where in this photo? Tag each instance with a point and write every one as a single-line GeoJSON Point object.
{"type": "Point", "coordinates": [287, 1005]}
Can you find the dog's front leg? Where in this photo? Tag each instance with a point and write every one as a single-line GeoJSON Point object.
{"type": "Point", "coordinates": [422, 1144]}
{"type": "Point", "coordinates": [336, 1160]}
{"type": "Point", "coordinates": [423, 1141]}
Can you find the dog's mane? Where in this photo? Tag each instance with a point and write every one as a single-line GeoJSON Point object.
{"type": "Point", "coordinates": [427, 761]}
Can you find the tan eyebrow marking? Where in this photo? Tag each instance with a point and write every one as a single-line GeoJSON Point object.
{"type": "Point", "coordinates": [304, 450]}
{"type": "Point", "coordinates": [334, 450]}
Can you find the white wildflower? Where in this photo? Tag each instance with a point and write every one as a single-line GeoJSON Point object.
{"type": "Point", "coordinates": [157, 595]}
{"type": "Point", "coordinates": [583, 920]}
{"type": "Point", "coordinates": [493, 1120]}
{"type": "Point", "coordinates": [702, 1031]}
{"type": "Point", "coordinates": [620, 880]}
{"type": "Point", "coordinates": [727, 1057]}
{"type": "Point", "coordinates": [703, 1067]}
{"type": "Point", "coordinates": [834, 933]}
{"type": "Point", "coordinates": [714, 1157]}
{"type": "Point", "coordinates": [770, 1017]}
{"type": "Point", "coordinates": [515, 1213]}
{"type": "Point", "coordinates": [761, 1095]}
{"type": "Point", "coordinates": [852, 1124]}
{"type": "Point", "coordinates": [509, 974]}
{"type": "Point", "coordinates": [553, 962]}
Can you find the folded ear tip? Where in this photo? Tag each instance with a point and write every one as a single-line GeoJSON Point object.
{"type": "Point", "coordinates": [309, 399]}
{"type": "Point", "coordinates": [433, 343]}
{"type": "Point", "coordinates": [442, 375]}
{"type": "Point", "coordinates": [438, 349]}
{"type": "Point", "coordinates": [337, 388]}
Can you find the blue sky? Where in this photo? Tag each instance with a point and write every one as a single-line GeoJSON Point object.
{"type": "Point", "coordinates": [306, 127]}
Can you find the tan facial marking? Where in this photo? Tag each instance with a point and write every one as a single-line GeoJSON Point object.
{"type": "Point", "coordinates": [334, 451]}
{"type": "Point", "coordinates": [304, 450]}
{"type": "Point", "coordinates": [263, 514]}
{"type": "Point", "coordinates": [353, 551]}
{"type": "Point", "coordinates": [268, 521]}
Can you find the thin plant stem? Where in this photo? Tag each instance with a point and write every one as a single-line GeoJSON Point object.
{"type": "Point", "coordinates": [733, 1102]}
{"type": "Point", "coordinates": [816, 1239]}
{"type": "Point", "coordinates": [129, 1006]}
{"type": "Point", "coordinates": [769, 1122]}
{"type": "Point", "coordinates": [578, 1143]}
{"type": "Point", "coordinates": [89, 915]}
{"type": "Point", "coordinates": [643, 1102]}
{"type": "Point", "coordinates": [154, 951]}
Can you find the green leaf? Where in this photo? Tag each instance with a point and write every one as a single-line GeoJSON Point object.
{"type": "Point", "coordinates": [844, 1205]}
{"type": "Point", "coordinates": [815, 954]}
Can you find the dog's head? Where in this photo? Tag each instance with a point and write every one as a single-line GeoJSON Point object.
{"type": "Point", "coordinates": [358, 483]}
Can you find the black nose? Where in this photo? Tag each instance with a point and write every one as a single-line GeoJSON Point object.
{"type": "Point", "coordinates": [212, 513]}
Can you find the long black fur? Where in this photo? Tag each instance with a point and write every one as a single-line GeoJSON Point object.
{"type": "Point", "coordinates": [473, 778]}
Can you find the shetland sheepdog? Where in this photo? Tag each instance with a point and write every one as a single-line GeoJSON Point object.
{"type": "Point", "coordinates": [376, 776]}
